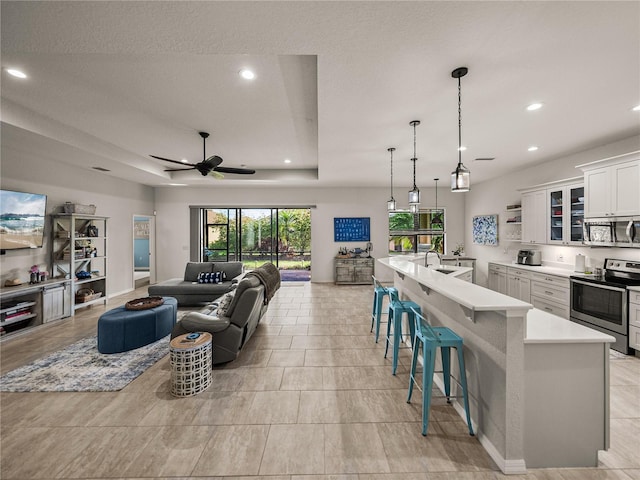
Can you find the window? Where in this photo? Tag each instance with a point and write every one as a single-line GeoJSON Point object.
{"type": "Point", "coordinates": [413, 233]}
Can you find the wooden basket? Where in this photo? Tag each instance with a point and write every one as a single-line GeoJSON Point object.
{"type": "Point", "coordinates": [86, 295]}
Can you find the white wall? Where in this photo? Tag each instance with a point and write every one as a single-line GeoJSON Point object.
{"type": "Point", "coordinates": [493, 197]}
{"type": "Point", "coordinates": [172, 207]}
{"type": "Point", "coordinates": [114, 198]}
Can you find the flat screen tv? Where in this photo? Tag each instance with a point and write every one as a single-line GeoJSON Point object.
{"type": "Point", "coordinates": [22, 218]}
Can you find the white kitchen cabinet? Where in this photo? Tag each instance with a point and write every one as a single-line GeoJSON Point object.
{"type": "Point", "coordinates": [498, 278]}
{"type": "Point", "coordinates": [565, 214]}
{"type": "Point", "coordinates": [534, 207]}
{"type": "Point", "coordinates": [519, 284]}
{"type": "Point", "coordinates": [55, 302]}
{"type": "Point", "coordinates": [550, 293]}
{"type": "Point", "coordinates": [611, 186]}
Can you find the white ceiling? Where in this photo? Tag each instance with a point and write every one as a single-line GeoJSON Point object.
{"type": "Point", "coordinates": [337, 84]}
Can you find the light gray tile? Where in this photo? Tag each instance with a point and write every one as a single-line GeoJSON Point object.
{"type": "Point", "coordinates": [294, 449]}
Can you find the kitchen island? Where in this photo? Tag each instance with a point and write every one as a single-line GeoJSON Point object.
{"type": "Point", "coordinates": [538, 384]}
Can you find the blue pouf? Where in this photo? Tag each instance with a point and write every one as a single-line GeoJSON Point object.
{"type": "Point", "coordinates": [120, 330]}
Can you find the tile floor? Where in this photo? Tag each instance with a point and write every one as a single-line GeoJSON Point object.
{"type": "Point", "coordinates": [310, 398]}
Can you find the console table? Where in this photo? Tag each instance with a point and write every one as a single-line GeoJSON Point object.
{"type": "Point", "coordinates": [353, 270]}
{"type": "Point", "coordinates": [30, 305]}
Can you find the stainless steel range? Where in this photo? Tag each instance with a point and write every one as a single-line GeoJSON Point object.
{"type": "Point", "coordinates": [602, 302]}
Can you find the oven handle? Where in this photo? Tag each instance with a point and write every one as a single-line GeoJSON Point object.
{"type": "Point", "coordinates": [599, 285]}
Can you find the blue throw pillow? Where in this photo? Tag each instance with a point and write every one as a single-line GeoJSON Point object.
{"type": "Point", "coordinates": [210, 277]}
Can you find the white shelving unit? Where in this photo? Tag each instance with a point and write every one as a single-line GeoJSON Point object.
{"type": "Point", "coordinates": [513, 224]}
{"type": "Point", "coordinates": [79, 252]}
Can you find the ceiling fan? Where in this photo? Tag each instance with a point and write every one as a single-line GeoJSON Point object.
{"type": "Point", "coordinates": [208, 166]}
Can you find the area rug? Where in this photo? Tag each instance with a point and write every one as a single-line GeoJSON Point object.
{"type": "Point", "coordinates": [81, 368]}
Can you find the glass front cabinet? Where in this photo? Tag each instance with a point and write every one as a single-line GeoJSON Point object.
{"type": "Point", "coordinates": [565, 214]}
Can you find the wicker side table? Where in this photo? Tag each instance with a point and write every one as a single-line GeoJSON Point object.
{"type": "Point", "coordinates": [190, 360]}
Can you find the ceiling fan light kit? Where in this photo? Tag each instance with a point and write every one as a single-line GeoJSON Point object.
{"type": "Point", "coordinates": [414, 193]}
{"type": "Point", "coordinates": [460, 177]}
{"type": "Point", "coordinates": [208, 166]}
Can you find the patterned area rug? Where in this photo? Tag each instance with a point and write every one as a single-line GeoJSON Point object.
{"type": "Point", "coordinates": [81, 368]}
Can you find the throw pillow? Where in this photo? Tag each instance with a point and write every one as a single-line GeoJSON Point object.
{"type": "Point", "coordinates": [223, 304]}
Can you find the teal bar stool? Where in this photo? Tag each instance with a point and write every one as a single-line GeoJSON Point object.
{"type": "Point", "coordinates": [397, 308]}
{"type": "Point", "coordinates": [379, 292]}
{"type": "Point", "coordinates": [431, 338]}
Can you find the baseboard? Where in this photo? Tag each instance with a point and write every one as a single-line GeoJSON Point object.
{"type": "Point", "coordinates": [122, 292]}
{"type": "Point", "coordinates": [508, 467]}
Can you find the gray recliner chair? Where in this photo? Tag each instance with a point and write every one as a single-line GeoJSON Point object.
{"type": "Point", "coordinates": [232, 331]}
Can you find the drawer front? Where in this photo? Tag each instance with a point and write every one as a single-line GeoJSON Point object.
{"type": "Point", "coordinates": [549, 291]}
{"type": "Point", "coordinates": [634, 337]}
{"type": "Point", "coordinates": [634, 297]}
{"type": "Point", "coordinates": [497, 268]}
{"type": "Point", "coordinates": [518, 273]}
{"type": "Point", "coordinates": [344, 263]}
{"type": "Point", "coordinates": [550, 307]}
{"type": "Point", "coordinates": [634, 314]}
{"type": "Point", "coordinates": [551, 279]}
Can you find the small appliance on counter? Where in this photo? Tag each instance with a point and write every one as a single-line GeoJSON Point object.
{"type": "Point", "coordinates": [530, 257]}
{"type": "Point", "coordinates": [580, 264]}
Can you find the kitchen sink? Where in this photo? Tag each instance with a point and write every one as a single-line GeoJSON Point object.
{"type": "Point", "coordinates": [442, 270]}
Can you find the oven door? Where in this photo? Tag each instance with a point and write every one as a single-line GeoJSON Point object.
{"type": "Point", "coordinates": [599, 304]}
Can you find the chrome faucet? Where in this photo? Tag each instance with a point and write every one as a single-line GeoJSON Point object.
{"type": "Point", "coordinates": [426, 257]}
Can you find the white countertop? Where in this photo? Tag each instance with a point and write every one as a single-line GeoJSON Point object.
{"type": "Point", "coordinates": [544, 327]}
{"type": "Point", "coordinates": [561, 272]}
{"type": "Point", "coordinates": [634, 288]}
{"type": "Point", "coordinates": [469, 295]}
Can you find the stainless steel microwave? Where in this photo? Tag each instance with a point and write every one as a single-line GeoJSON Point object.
{"type": "Point", "coordinates": [619, 232]}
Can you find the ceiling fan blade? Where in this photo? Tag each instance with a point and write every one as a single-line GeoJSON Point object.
{"type": "Point", "coordinates": [178, 169]}
{"type": "Point", "coordinates": [241, 171]}
{"type": "Point", "coordinates": [213, 161]}
{"type": "Point", "coordinates": [169, 160]}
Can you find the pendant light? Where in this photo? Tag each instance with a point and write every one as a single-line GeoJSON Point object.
{"type": "Point", "coordinates": [460, 177]}
{"type": "Point", "coordinates": [391, 203]}
{"type": "Point", "coordinates": [436, 219]}
{"type": "Point", "coordinates": [414, 193]}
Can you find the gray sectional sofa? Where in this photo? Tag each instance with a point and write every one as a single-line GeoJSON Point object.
{"type": "Point", "coordinates": [187, 290]}
{"type": "Point", "coordinates": [232, 328]}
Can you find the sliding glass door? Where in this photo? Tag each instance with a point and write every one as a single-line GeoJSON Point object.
{"type": "Point", "coordinates": [256, 236]}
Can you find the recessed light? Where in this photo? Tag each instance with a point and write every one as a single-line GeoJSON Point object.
{"type": "Point", "coordinates": [184, 160]}
{"type": "Point", "coordinates": [532, 148]}
{"type": "Point", "coordinates": [16, 73]}
{"type": "Point", "coordinates": [286, 160]}
{"type": "Point", "coordinates": [462, 148]}
{"type": "Point", "coordinates": [636, 108]}
{"type": "Point", "coordinates": [247, 74]}
{"type": "Point", "coordinates": [176, 184]}
{"type": "Point", "coordinates": [534, 106]}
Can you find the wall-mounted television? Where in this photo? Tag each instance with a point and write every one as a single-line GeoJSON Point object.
{"type": "Point", "coordinates": [22, 217]}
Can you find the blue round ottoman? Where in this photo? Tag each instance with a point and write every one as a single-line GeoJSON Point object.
{"type": "Point", "coordinates": [120, 330]}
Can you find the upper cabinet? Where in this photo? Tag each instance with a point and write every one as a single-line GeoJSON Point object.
{"type": "Point", "coordinates": [612, 186]}
{"type": "Point", "coordinates": [534, 207]}
{"type": "Point", "coordinates": [565, 214]}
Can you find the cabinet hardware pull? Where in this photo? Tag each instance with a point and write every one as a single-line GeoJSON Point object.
{"type": "Point", "coordinates": [548, 292]}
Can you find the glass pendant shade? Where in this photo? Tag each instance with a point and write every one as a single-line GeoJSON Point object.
{"type": "Point", "coordinates": [391, 204]}
{"type": "Point", "coordinates": [414, 196]}
{"type": "Point", "coordinates": [435, 218]}
{"type": "Point", "coordinates": [460, 179]}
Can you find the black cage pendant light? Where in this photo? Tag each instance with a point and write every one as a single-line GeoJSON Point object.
{"type": "Point", "coordinates": [391, 203]}
{"type": "Point", "coordinates": [414, 193]}
{"type": "Point", "coordinates": [436, 218]}
{"type": "Point", "coordinates": [460, 177]}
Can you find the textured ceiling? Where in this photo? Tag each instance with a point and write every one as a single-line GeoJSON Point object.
{"type": "Point", "coordinates": [337, 84]}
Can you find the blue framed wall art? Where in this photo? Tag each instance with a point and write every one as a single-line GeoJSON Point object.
{"type": "Point", "coordinates": [351, 229]}
{"type": "Point", "coordinates": [485, 230]}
